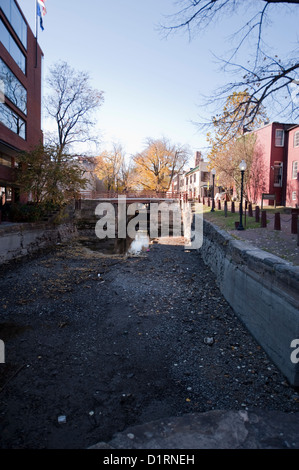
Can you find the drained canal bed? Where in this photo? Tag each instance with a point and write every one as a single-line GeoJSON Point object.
{"type": "Point", "coordinates": [152, 337]}
{"type": "Point", "coordinates": [117, 246]}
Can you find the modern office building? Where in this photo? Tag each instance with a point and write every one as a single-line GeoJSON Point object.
{"type": "Point", "coordinates": [20, 94]}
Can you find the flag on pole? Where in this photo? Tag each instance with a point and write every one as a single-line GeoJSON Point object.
{"type": "Point", "coordinates": [41, 11]}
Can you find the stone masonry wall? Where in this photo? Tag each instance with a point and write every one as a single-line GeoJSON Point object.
{"type": "Point", "coordinates": [262, 289]}
{"type": "Point", "coordinates": [20, 240]}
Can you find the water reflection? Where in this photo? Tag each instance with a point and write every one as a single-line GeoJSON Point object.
{"type": "Point", "coordinates": [140, 244]}
{"type": "Point", "coordinates": [118, 246]}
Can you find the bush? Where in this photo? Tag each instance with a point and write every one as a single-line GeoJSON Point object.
{"type": "Point", "coordinates": [29, 212]}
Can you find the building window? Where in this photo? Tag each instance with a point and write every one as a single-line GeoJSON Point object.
{"type": "Point", "coordinates": [279, 138]}
{"type": "Point", "coordinates": [190, 179]}
{"type": "Point", "coordinates": [294, 196]}
{"type": "Point", "coordinates": [187, 181]}
{"type": "Point", "coordinates": [12, 121]}
{"type": "Point", "coordinates": [294, 170]}
{"type": "Point", "coordinates": [16, 20]}
{"type": "Point", "coordinates": [5, 161]}
{"type": "Point", "coordinates": [278, 174]}
{"type": "Point", "coordinates": [195, 178]}
{"type": "Point", "coordinates": [11, 46]}
{"type": "Point", "coordinates": [205, 176]}
{"type": "Point", "coordinates": [13, 89]}
{"type": "Point", "coordinates": [296, 139]}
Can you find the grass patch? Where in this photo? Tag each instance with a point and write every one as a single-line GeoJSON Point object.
{"type": "Point", "coordinates": [228, 223]}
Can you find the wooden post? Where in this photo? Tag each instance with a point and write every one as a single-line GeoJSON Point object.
{"type": "Point", "coordinates": [219, 205]}
{"type": "Point", "coordinates": [294, 228]}
{"type": "Point", "coordinates": [277, 225]}
{"type": "Point", "coordinates": [257, 214]}
{"type": "Point", "coordinates": [233, 207]}
{"type": "Point", "coordinates": [225, 208]}
{"type": "Point", "coordinates": [264, 219]}
{"type": "Point", "coordinates": [250, 214]}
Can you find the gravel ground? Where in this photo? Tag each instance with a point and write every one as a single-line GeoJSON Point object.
{"type": "Point", "coordinates": [149, 338]}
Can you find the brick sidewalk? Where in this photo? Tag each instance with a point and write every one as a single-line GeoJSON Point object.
{"type": "Point", "coordinates": [281, 243]}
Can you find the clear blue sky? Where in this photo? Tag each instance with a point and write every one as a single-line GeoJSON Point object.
{"type": "Point", "coordinates": [152, 85]}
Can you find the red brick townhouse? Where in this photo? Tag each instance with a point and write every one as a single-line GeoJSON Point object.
{"type": "Point", "coordinates": [276, 163]}
{"type": "Point", "coordinates": [20, 94]}
{"type": "Point", "coordinates": [292, 172]}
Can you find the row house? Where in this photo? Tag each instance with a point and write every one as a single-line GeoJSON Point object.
{"type": "Point", "coordinates": [276, 164]}
{"type": "Point", "coordinates": [195, 182]}
{"type": "Point", "coordinates": [20, 95]}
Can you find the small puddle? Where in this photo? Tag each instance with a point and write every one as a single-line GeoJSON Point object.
{"type": "Point", "coordinates": [10, 330]}
{"type": "Point", "coordinates": [140, 244]}
{"type": "Point", "coordinates": [118, 246]}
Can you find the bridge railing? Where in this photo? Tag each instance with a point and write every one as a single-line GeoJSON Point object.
{"type": "Point", "coordinates": [129, 194]}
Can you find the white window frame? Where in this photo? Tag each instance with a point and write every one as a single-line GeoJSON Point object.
{"type": "Point", "coordinates": [296, 139]}
{"type": "Point", "coordinates": [294, 196]}
{"type": "Point", "coordinates": [276, 138]}
{"type": "Point", "coordinates": [294, 170]}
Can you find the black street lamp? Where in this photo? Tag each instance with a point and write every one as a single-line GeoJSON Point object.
{"type": "Point", "coordinates": [213, 193]}
{"type": "Point", "coordinates": [242, 167]}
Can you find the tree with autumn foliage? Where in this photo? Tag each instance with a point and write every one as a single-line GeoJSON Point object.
{"type": "Point", "coordinates": [230, 144]}
{"type": "Point", "coordinates": [114, 169]}
{"type": "Point", "coordinates": [159, 162]}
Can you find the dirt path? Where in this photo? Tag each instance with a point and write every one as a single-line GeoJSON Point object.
{"type": "Point", "coordinates": [112, 342]}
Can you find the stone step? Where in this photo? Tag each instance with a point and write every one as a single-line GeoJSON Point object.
{"type": "Point", "coordinates": [213, 430]}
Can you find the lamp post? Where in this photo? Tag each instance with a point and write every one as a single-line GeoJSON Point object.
{"type": "Point", "coordinates": [242, 167]}
{"type": "Point", "coordinates": [213, 193]}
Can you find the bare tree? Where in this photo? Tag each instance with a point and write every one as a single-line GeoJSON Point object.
{"type": "Point", "coordinates": [72, 102]}
{"type": "Point", "coordinates": [266, 76]}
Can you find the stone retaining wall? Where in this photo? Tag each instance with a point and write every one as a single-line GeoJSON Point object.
{"type": "Point", "coordinates": [262, 289]}
{"type": "Point", "coordinates": [19, 240]}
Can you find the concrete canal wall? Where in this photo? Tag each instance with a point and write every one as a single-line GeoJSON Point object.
{"type": "Point", "coordinates": [18, 240]}
{"type": "Point", "coordinates": [262, 289]}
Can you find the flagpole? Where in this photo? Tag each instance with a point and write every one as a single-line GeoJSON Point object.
{"type": "Point", "coordinates": [36, 34]}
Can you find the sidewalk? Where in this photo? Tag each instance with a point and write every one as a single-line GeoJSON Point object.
{"type": "Point", "coordinates": [281, 243]}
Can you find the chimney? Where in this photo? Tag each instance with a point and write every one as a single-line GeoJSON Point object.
{"type": "Point", "coordinates": [198, 158]}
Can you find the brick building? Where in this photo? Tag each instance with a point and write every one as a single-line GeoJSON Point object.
{"type": "Point", "coordinates": [20, 100]}
{"type": "Point", "coordinates": [277, 150]}
{"type": "Point", "coordinates": [292, 170]}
